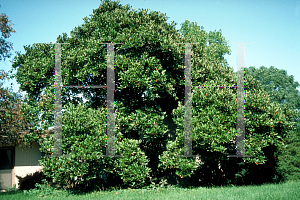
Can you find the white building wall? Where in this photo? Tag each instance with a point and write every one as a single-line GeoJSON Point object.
{"type": "Point", "coordinates": [26, 162]}
{"type": "Point", "coordinates": [23, 171]}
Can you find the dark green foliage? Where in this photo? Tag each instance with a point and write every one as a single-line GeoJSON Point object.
{"type": "Point", "coordinates": [283, 90]}
{"type": "Point", "coordinates": [150, 63]}
{"type": "Point", "coordinates": [265, 126]}
{"type": "Point", "coordinates": [85, 141]}
{"type": "Point", "coordinates": [289, 159]}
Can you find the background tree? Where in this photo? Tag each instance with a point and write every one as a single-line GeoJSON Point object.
{"type": "Point", "coordinates": [149, 63]}
{"type": "Point", "coordinates": [13, 126]}
{"type": "Point", "coordinates": [283, 90]}
{"type": "Point", "coordinates": [280, 86]}
{"type": "Point", "coordinates": [6, 29]}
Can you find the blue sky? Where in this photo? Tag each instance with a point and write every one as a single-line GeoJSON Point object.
{"type": "Point", "coordinates": [272, 26]}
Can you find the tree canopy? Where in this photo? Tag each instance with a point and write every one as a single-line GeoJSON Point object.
{"type": "Point", "coordinates": [6, 30]}
{"type": "Point", "coordinates": [149, 61]}
{"type": "Point", "coordinates": [281, 87]}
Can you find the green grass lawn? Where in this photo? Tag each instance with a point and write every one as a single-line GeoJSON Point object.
{"type": "Point", "coordinates": [289, 190]}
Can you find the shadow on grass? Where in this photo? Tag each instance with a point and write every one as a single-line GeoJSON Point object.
{"type": "Point", "coordinates": [10, 193]}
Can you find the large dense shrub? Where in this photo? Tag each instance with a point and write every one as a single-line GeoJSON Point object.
{"type": "Point", "coordinates": [84, 140]}
{"type": "Point", "coordinates": [214, 128]}
{"type": "Point", "coordinates": [149, 96]}
{"type": "Point", "coordinates": [214, 122]}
